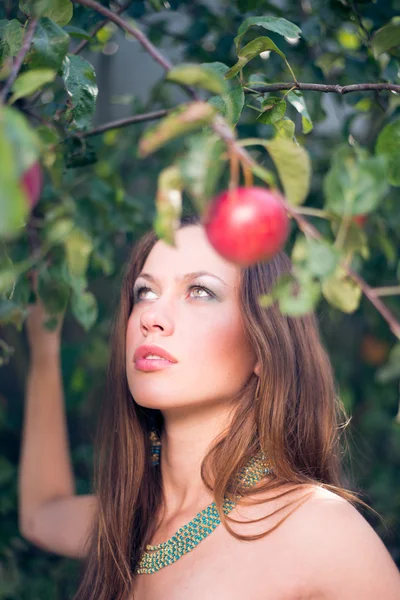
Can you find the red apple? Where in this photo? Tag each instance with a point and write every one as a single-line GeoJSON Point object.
{"type": "Point", "coordinates": [247, 225]}
{"type": "Point", "coordinates": [360, 219]}
{"type": "Point", "coordinates": [31, 182]}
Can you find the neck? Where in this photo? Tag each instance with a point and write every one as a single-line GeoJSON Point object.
{"type": "Point", "coordinates": [185, 441]}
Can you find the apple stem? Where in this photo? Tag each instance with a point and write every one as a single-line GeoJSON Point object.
{"type": "Point", "coordinates": [234, 169]}
{"type": "Point", "coordinates": [248, 175]}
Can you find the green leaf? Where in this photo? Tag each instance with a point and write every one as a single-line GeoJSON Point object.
{"type": "Point", "coordinates": [285, 128]}
{"type": "Point", "coordinates": [78, 248]}
{"type": "Point", "coordinates": [80, 82]}
{"type": "Point", "coordinates": [388, 145]}
{"type": "Point", "coordinates": [184, 119]}
{"type": "Point", "coordinates": [297, 100]}
{"type": "Point", "coordinates": [218, 67]}
{"type": "Point", "coordinates": [19, 148]}
{"type": "Point", "coordinates": [13, 204]}
{"type": "Point", "coordinates": [355, 240]}
{"type": "Point", "coordinates": [78, 32]}
{"type": "Point", "coordinates": [84, 308]}
{"type": "Point", "coordinates": [250, 51]}
{"type": "Point", "coordinates": [342, 292]}
{"type": "Point", "coordinates": [168, 204]}
{"type": "Point", "coordinates": [30, 82]}
{"type": "Point", "coordinates": [296, 293]}
{"type": "Point", "coordinates": [355, 183]}
{"type": "Point", "coordinates": [274, 109]}
{"type": "Point", "coordinates": [11, 312]}
{"type": "Point", "coordinates": [58, 231]}
{"type": "Point", "coordinates": [11, 37]}
{"type": "Point", "coordinates": [228, 102]}
{"type": "Point", "coordinates": [15, 128]}
{"type": "Point", "coordinates": [202, 166]}
{"type": "Point", "coordinates": [7, 280]}
{"type": "Point", "coordinates": [198, 75]}
{"type": "Point", "coordinates": [231, 105]}
{"type": "Point", "coordinates": [260, 172]}
{"type": "Point", "coordinates": [53, 293]}
{"type": "Point", "coordinates": [275, 24]}
{"type": "Point", "coordinates": [59, 11]}
{"type": "Point", "coordinates": [49, 46]}
{"type": "Point", "coordinates": [294, 168]}
{"type": "Point", "coordinates": [391, 370]}
{"type": "Point", "coordinates": [323, 258]}
{"type": "Point", "coordinates": [387, 37]}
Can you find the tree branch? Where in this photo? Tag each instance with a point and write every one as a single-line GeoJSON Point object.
{"type": "Point", "coordinates": [98, 27]}
{"type": "Point", "coordinates": [128, 121]}
{"type": "Point", "coordinates": [376, 301]}
{"type": "Point", "coordinates": [318, 87]}
{"type": "Point", "coordinates": [390, 290]}
{"type": "Point", "coordinates": [221, 127]}
{"type": "Point", "coordinates": [26, 44]}
{"type": "Point", "coordinates": [136, 33]}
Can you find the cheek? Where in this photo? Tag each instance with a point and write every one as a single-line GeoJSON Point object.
{"type": "Point", "coordinates": [224, 342]}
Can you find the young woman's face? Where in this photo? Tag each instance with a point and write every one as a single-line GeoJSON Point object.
{"type": "Point", "coordinates": [201, 328]}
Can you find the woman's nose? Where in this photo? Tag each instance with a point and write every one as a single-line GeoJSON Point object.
{"type": "Point", "coordinates": [156, 318]}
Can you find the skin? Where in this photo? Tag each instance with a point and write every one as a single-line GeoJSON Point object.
{"type": "Point", "coordinates": [325, 550]}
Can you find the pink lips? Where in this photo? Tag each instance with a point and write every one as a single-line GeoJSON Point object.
{"type": "Point", "coordinates": [152, 364]}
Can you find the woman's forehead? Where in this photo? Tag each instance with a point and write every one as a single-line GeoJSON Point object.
{"type": "Point", "coordinates": [192, 253]}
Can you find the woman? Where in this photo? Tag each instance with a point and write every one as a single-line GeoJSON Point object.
{"type": "Point", "coordinates": [244, 414]}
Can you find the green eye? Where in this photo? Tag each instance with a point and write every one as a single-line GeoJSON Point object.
{"type": "Point", "coordinates": [137, 291]}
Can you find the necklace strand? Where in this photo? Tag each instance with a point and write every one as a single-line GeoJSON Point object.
{"type": "Point", "coordinates": [190, 535]}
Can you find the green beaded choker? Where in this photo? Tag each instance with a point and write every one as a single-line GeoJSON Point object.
{"type": "Point", "coordinates": [187, 537]}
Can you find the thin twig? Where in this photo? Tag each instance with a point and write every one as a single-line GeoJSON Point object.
{"type": "Point", "coordinates": [98, 27]}
{"type": "Point", "coordinates": [26, 44]}
{"type": "Point", "coordinates": [136, 33]}
{"type": "Point", "coordinates": [318, 87]}
{"type": "Point", "coordinates": [390, 290]}
{"type": "Point", "coordinates": [128, 121]}
{"type": "Point", "coordinates": [375, 300]}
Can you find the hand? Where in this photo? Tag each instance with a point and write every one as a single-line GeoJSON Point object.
{"type": "Point", "coordinates": [44, 344]}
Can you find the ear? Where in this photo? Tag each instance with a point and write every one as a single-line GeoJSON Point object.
{"type": "Point", "coordinates": [257, 369]}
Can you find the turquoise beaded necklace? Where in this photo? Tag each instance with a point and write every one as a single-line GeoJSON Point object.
{"type": "Point", "coordinates": [190, 535]}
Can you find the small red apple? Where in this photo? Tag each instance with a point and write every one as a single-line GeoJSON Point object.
{"type": "Point", "coordinates": [247, 225]}
{"type": "Point", "coordinates": [31, 182]}
{"type": "Point", "coordinates": [360, 219]}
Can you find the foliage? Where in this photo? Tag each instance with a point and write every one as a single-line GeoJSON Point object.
{"type": "Point", "coordinates": [103, 190]}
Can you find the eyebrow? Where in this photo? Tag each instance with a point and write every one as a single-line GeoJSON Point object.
{"type": "Point", "coordinates": [186, 277]}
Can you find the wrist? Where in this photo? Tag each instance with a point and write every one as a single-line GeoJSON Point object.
{"type": "Point", "coordinates": [45, 357]}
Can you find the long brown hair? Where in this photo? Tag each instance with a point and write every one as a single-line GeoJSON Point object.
{"type": "Point", "coordinates": [298, 420]}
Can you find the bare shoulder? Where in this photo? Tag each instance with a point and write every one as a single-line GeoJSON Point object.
{"type": "Point", "coordinates": [349, 555]}
{"type": "Point", "coordinates": [341, 555]}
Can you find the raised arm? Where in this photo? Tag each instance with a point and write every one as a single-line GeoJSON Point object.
{"type": "Point", "coordinates": [50, 514]}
